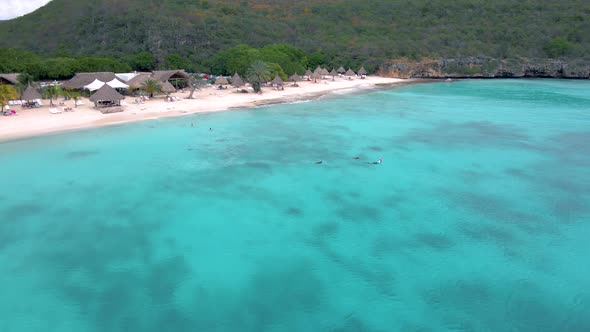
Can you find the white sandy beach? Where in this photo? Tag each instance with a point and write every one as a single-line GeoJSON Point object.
{"type": "Point", "coordinates": [38, 121]}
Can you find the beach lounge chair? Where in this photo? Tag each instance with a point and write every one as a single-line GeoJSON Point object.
{"type": "Point", "coordinates": [54, 111]}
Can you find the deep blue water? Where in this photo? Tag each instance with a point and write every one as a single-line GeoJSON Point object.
{"type": "Point", "coordinates": [477, 220]}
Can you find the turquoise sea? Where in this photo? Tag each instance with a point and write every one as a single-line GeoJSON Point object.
{"type": "Point", "coordinates": [478, 219]}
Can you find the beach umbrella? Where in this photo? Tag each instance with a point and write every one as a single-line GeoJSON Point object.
{"type": "Point", "coordinates": [349, 73]}
{"type": "Point", "coordinates": [30, 94]}
{"type": "Point", "coordinates": [318, 70]}
{"type": "Point", "coordinates": [341, 70]}
{"type": "Point", "coordinates": [221, 81]}
{"type": "Point", "coordinates": [362, 71]}
{"type": "Point", "coordinates": [316, 76]}
{"type": "Point", "coordinates": [294, 78]}
{"type": "Point", "coordinates": [308, 73]}
{"type": "Point", "coordinates": [324, 72]}
{"type": "Point", "coordinates": [237, 81]}
{"type": "Point", "coordinates": [277, 80]}
{"type": "Point", "coordinates": [333, 73]}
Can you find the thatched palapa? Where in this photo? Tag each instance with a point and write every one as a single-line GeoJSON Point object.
{"type": "Point", "coordinates": [362, 71]}
{"type": "Point", "coordinates": [30, 94]}
{"type": "Point", "coordinates": [167, 87]}
{"type": "Point", "coordinates": [170, 75]}
{"type": "Point", "coordinates": [341, 70]}
{"type": "Point", "coordinates": [294, 78]}
{"type": "Point", "coordinates": [106, 93]}
{"type": "Point", "coordinates": [308, 73]}
{"type": "Point", "coordinates": [137, 81]}
{"type": "Point", "coordinates": [237, 81]}
{"type": "Point", "coordinates": [277, 80]}
{"type": "Point", "coordinates": [220, 80]}
{"type": "Point", "coordinates": [349, 72]}
{"type": "Point", "coordinates": [11, 79]}
{"type": "Point", "coordinates": [324, 72]}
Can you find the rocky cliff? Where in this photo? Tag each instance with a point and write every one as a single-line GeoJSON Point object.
{"type": "Point", "coordinates": [483, 67]}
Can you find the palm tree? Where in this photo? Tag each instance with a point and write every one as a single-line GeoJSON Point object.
{"type": "Point", "coordinates": [257, 74]}
{"type": "Point", "coordinates": [73, 95]}
{"type": "Point", "coordinates": [151, 86]}
{"type": "Point", "coordinates": [53, 91]}
{"type": "Point", "coordinates": [6, 93]}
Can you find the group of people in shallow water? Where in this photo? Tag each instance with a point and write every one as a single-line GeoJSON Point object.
{"type": "Point", "coordinates": [378, 162]}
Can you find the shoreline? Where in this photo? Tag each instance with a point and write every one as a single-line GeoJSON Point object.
{"type": "Point", "coordinates": [39, 122]}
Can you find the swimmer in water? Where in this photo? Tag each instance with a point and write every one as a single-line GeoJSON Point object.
{"type": "Point", "coordinates": [356, 158]}
{"type": "Point", "coordinates": [319, 162]}
{"type": "Point", "coordinates": [378, 162]}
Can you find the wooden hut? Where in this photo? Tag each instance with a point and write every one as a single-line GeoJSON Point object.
{"type": "Point", "coordinates": [167, 88]}
{"type": "Point", "coordinates": [177, 78]}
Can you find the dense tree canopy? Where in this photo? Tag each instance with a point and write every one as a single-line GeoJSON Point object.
{"type": "Point", "coordinates": [347, 32]}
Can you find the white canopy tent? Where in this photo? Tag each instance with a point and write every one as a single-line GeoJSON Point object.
{"type": "Point", "coordinates": [115, 83]}
{"type": "Point", "coordinates": [97, 84]}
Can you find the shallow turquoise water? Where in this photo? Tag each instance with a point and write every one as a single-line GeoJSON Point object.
{"type": "Point", "coordinates": [477, 220]}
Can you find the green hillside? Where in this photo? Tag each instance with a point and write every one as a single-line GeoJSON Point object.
{"type": "Point", "coordinates": [348, 32]}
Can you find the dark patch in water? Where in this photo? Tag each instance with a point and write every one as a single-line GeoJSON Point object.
{"type": "Point", "coordinates": [259, 165]}
{"type": "Point", "coordinates": [293, 211]}
{"type": "Point", "coordinates": [484, 232]}
{"type": "Point", "coordinates": [81, 154]}
{"type": "Point", "coordinates": [474, 133]}
{"type": "Point", "coordinates": [352, 324]}
{"type": "Point", "coordinates": [375, 148]}
{"type": "Point", "coordinates": [325, 230]}
{"type": "Point", "coordinates": [434, 241]}
{"type": "Point", "coordinates": [519, 173]}
{"type": "Point", "coordinates": [14, 213]}
{"type": "Point", "coordinates": [359, 213]}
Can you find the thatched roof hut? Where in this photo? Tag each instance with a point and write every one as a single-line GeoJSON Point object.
{"type": "Point", "coordinates": [237, 81]}
{"type": "Point", "coordinates": [318, 70]}
{"type": "Point", "coordinates": [137, 81]}
{"type": "Point", "coordinates": [324, 72]}
{"type": "Point", "coordinates": [341, 70]}
{"type": "Point", "coordinates": [308, 73]}
{"type": "Point", "coordinates": [333, 73]}
{"type": "Point", "coordinates": [221, 81]}
{"type": "Point", "coordinates": [277, 80]}
{"type": "Point", "coordinates": [166, 87]}
{"type": "Point", "coordinates": [349, 72]}
{"type": "Point", "coordinates": [106, 93]}
{"type": "Point", "coordinates": [30, 94]}
{"type": "Point", "coordinates": [80, 80]}
{"type": "Point", "coordinates": [294, 78]}
{"type": "Point", "coordinates": [11, 79]}
{"type": "Point", "coordinates": [170, 75]}
{"type": "Point", "coordinates": [362, 71]}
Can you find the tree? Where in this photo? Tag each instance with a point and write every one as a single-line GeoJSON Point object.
{"type": "Point", "coordinates": [195, 82]}
{"type": "Point", "coordinates": [557, 47]}
{"type": "Point", "coordinates": [151, 86]}
{"type": "Point", "coordinates": [52, 91]}
{"type": "Point", "coordinates": [257, 74]}
{"type": "Point", "coordinates": [73, 95]}
{"type": "Point", "coordinates": [6, 93]}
